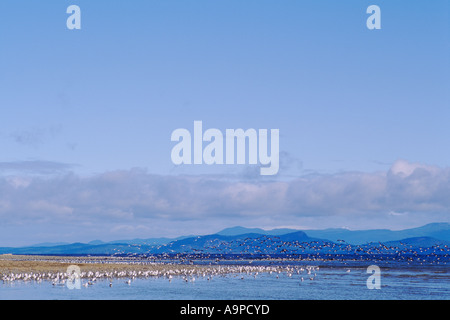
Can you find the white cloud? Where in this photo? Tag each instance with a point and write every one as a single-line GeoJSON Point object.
{"type": "Point", "coordinates": [137, 198]}
{"type": "Point", "coordinates": [405, 168]}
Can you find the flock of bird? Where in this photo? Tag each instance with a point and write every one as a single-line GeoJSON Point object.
{"type": "Point", "coordinates": [262, 248]}
{"type": "Point", "coordinates": [89, 278]}
{"type": "Point", "coordinates": [327, 250]}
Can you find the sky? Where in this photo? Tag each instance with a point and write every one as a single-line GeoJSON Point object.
{"type": "Point", "coordinates": [87, 116]}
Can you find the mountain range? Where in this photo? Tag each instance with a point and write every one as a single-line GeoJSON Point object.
{"type": "Point", "coordinates": [439, 231]}
{"type": "Point", "coordinates": [249, 240]}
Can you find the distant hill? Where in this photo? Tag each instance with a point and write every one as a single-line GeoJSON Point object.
{"type": "Point", "coordinates": [149, 241]}
{"type": "Point", "coordinates": [238, 240]}
{"type": "Point", "coordinates": [440, 231]}
{"type": "Point", "coordinates": [424, 242]}
{"type": "Point", "coordinates": [247, 243]}
{"type": "Point", "coordinates": [79, 249]}
{"type": "Point", "coordinates": [49, 244]}
{"type": "Point", "coordinates": [232, 243]}
{"type": "Point", "coordinates": [235, 231]}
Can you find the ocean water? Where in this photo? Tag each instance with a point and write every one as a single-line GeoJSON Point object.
{"type": "Point", "coordinates": [330, 282]}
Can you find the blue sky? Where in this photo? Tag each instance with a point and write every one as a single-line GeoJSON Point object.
{"type": "Point", "coordinates": [81, 107]}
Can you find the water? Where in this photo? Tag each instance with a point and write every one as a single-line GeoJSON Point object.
{"type": "Point", "coordinates": [331, 281]}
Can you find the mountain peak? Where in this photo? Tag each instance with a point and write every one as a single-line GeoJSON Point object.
{"type": "Point", "coordinates": [435, 226]}
{"type": "Point", "coordinates": [238, 230]}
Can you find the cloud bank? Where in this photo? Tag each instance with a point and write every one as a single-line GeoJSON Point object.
{"type": "Point", "coordinates": [137, 201]}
